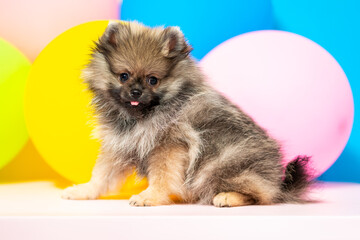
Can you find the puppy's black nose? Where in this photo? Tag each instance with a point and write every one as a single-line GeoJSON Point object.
{"type": "Point", "coordinates": [135, 93]}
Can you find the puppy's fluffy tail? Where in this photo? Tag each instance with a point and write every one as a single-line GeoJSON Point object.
{"type": "Point", "coordinates": [297, 180]}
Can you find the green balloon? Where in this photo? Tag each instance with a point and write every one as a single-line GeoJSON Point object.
{"type": "Point", "coordinates": [14, 69]}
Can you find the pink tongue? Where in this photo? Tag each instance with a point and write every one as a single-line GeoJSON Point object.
{"type": "Point", "coordinates": [134, 103]}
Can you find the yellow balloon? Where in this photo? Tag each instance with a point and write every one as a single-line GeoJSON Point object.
{"type": "Point", "coordinates": [57, 111]}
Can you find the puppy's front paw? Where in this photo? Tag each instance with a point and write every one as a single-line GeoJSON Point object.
{"type": "Point", "coordinates": [148, 199]}
{"type": "Point", "coordinates": [84, 191]}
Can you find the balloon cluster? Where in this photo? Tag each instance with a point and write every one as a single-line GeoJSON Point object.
{"type": "Point", "coordinates": [26, 27]}
{"type": "Point", "coordinates": [290, 85]}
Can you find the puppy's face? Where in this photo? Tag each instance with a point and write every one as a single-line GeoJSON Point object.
{"type": "Point", "coordinates": [132, 64]}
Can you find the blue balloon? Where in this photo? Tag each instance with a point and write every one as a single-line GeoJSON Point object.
{"type": "Point", "coordinates": [334, 25]}
{"type": "Point", "coordinates": [205, 23]}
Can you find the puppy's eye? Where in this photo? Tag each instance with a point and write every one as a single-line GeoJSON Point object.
{"type": "Point", "coordinates": [124, 77]}
{"type": "Point", "coordinates": [152, 80]}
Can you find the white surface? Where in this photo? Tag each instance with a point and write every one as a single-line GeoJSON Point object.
{"type": "Point", "coordinates": [35, 210]}
{"type": "Point", "coordinates": [43, 199]}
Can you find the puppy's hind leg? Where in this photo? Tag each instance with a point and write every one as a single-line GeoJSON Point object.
{"type": "Point", "coordinates": [250, 189]}
{"type": "Point", "coordinates": [231, 199]}
{"type": "Point", "coordinates": [105, 176]}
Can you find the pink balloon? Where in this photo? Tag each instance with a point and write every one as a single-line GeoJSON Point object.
{"type": "Point", "coordinates": [32, 24]}
{"type": "Point", "coordinates": [289, 85]}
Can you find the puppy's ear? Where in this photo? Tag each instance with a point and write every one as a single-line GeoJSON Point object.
{"type": "Point", "coordinates": [174, 43]}
{"type": "Point", "coordinates": [111, 37]}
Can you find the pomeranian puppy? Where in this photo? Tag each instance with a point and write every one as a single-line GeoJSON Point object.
{"type": "Point", "coordinates": [157, 114]}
